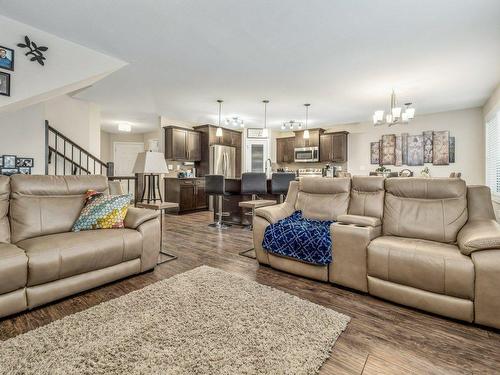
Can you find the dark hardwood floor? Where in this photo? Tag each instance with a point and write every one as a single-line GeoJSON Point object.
{"type": "Point", "coordinates": [382, 338]}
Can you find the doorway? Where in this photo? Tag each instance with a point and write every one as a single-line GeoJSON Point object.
{"type": "Point", "coordinates": [124, 155]}
{"type": "Point", "coordinates": [257, 153]}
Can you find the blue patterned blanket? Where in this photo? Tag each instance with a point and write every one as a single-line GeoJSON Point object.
{"type": "Point", "coordinates": [300, 238]}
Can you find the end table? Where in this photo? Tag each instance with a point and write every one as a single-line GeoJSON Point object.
{"type": "Point", "coordinates": [160, 206]}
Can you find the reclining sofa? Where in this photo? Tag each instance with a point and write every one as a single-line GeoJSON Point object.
{"type": "Point", "coordinates": [41, 260]}
{"type": "Point", "coordinates": [428, 243]}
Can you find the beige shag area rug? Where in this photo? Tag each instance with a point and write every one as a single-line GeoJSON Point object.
{"type": "Point", "coordinates": [205, 321]}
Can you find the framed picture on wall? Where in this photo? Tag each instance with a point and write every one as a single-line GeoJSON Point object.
{"type": "Point", "coordinates": [441, 148]}
{"type": "Point", "coordinates": [428, 146]}
{"type": "Point", "coordinates": [25, 162]}
{"type": "Point", "coordinates": [9, 171]}
{"type": "Point", "coordinates": [415, 150]}
{"type": "Point", "coordinates": [452, 149]}
{"type": "Point", "coordinates": [9, 161]}
{"type": "Point", "coordinates": [4, 84]}
{"type": "Point", "coordinates": [375, 153]}
{"type": "Point", "coordinates": [24, 170]}
{"type": "Point", "coordinates": [6, 58]}
{"type": "Point", "coordinates": [388, 151]}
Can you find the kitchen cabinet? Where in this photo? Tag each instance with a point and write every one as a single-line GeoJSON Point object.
{"type": "Point", "coordinates": [229, 137]}
{"type": "Point", "coordinates": [333, 147]}
{"type": "Point", "coordinates": [312, 141]}
{"type": "Point", "coordinates": [182, 144]}
{"type": "Point", "coordinates": [189, 193]}
{"type": "Point", "coordinates": [285, 150]}
{"type": "Point", "coordinates": [193, 146]}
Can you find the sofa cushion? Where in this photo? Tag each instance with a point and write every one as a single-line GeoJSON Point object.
{"type": "Point", "coordinates": [42, 205]}
{"type": "Point", "coordinates": [367, 196]}
{"type": "Point", "coordinates": [4, 209]}
{"type": "Point", "coordinates": [432, 209]}
{"type": "Point", "coordinates": [427, 265]}
{"type": "Point", "coordinates": [58, 256]}
{"type": "Point", "coordinates": [323, 198]}
{"type": "Point", "coordinates": [13, 268]}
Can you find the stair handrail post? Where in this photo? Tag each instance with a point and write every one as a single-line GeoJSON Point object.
{"type": "Point", "coordinates": [110, 169]}
{"type": "Point", "coordinates": [46, 147]}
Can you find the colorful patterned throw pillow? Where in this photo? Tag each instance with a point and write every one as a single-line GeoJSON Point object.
{"type": "Point", "coordinates": [102, 212]}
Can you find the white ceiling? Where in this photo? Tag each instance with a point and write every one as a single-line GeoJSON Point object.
{"type": "Point", "coordinates": [341, 56]}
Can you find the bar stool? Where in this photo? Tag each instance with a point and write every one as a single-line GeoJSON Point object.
{"type": "Point", "coordinates": [215, 185]}
{"type": "Point", "coordinates": [280, 182]}
{"type": "Point", "coordinates": [254, 183]}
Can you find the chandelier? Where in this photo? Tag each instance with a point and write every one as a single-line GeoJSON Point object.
{"type": "Point", "coordinates": [395, 114]}
{"type": "Point", "coordinates": [235, 122]}
{"type": "Point", "coordinates": [291, 125]}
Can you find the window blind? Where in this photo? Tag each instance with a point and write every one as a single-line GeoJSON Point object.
{"type": "Point", "coordinates": [493, 154]}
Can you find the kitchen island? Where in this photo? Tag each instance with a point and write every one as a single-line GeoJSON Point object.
{"type": "Point", "coordinates": [188, 192]}
{"type": "Point", "coordinates": [231, 202]}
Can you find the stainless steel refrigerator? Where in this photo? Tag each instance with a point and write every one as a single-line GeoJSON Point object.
{"type": "Point", "coordinates": [223, 160]}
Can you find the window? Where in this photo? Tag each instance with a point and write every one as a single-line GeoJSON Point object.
{"type": "Point", "coordinates": [493, 154]}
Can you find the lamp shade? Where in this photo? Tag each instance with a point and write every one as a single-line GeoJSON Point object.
{"type": "Point", "coordinates": [150, 162]}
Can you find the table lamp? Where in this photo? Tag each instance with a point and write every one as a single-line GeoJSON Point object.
{"type": "Point", "coordinates": [151, 164]}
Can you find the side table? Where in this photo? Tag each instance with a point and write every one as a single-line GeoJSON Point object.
{"type": "Point", "coordinates": [160, 206]}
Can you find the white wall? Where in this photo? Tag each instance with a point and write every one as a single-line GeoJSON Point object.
{"type": "Point", "coordinates": [68, 67]}
{"type": "Point", "coordinates": [23, 131]}
{"type": "Point", "coordinates": [23, 134]}
{"type": "Point", "coordinates": [78, 120]}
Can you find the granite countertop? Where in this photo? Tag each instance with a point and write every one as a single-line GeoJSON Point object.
{"type": "Point", "coordinates": [184, 178]}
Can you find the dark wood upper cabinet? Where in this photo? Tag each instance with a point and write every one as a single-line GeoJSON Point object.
{"type": "Point", "coordinates": [325, 148]}
{"type": "Point", "coordinates": [333, 147]}
{"type": "Point", "coordinates": [193, 146]}
{"type": "Point", "coordinates": [182, 144]}
{"type": "Point", "coordinates": [285, 148]}
{"type": "Point", "coordinates": [312, 141]}
{"type": "Point", "coordinates": [339, 141]}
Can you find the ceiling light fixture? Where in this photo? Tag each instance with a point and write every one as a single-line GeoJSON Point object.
{"type": "Point", "coordinates": [265, 132]}
{"type": "Point", "coordinates": [124, 127]}
{"type": "Point", "coordinates": [236, 122]}
{"type": "Point", "coordinates": [395, 114]}
{"type": "Point", "coordinates": [291, 125]}
{"type": "Point", "coordinates": [306, 132]}
{"type": "Point", "coordinates": [218, 132]}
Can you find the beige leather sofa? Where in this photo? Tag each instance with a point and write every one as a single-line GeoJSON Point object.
{"type": "Point", "coordinates": [41, 260]}
{"type": "Point", "coordinates": [432, 244]}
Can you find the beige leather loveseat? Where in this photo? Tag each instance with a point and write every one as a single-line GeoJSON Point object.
{"type": "Point", "coordinates": [41, 260]}
{"type": "Point", "coordinates": [431, 244]}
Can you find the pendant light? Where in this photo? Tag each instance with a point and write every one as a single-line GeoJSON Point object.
{"type": "Point", "coordinates": [265, 132]}
{"type": "Point", "coordinates": [306, 132]}
{"type": "Point", "coordinates": [218, 132]}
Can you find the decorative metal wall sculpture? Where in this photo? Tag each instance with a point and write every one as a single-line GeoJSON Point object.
{"type": "Point", "coordinates": [436, 147]}
{"type": "Point", "coordinates": [35, 51]}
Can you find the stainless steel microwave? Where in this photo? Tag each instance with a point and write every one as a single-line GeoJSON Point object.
{"type": "Point", "coordinates": [306, 154]}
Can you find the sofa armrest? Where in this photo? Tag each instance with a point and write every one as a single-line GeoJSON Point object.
{"type": "Point", "coordinates": [350, 248]}
{"type": "Point", "coordinates": [275, 213]}
{"type": "Point", "coordinates": [365, 221]}
{"type": "Point", "coordinates": [479, 235]}
{"type": "Point", "coordinates": [136, 216]}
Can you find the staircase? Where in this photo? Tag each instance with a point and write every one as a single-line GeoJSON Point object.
{"type": "Point", "coordinates": [65, 157]}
